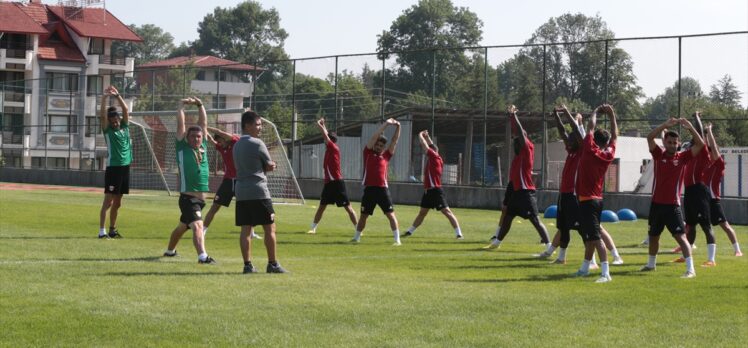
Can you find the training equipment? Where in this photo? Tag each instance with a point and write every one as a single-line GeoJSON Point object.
{"type": "Point", "coordinates": [609, 216]}
{"type": "Point", "coordinates": [626, 215]}
{"type": "Point", "coordinates": [550, 212]}
{"type": "Point", "coordinates": [154, 164]}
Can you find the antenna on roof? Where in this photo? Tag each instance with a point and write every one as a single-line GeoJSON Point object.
{"type": "Point", "coordinates": [73, 9]}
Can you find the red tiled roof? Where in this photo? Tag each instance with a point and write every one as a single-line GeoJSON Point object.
{"type": "Point", "coordinates": [13, 19]}
{"type": "Point", "coordinates": [201, 62]}
{"type": "Point", "coordinates": [60, 51]}
{"type": "Point", "coordinates": [94, 22]}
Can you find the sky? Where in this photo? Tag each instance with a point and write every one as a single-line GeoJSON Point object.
{"type": "Point", "coordinates": [330, 27]}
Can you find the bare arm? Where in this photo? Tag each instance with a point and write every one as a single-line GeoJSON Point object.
{"type": "Point", "coordinates": [517, 129]}
{"type": "Point", "coordinates": [180, 117]}
{"type": "Point", "coordinates": [712, 142]}
{"type": "Point", "coordinates": [202, 119]}
{"type": "Point", "coordinates": [658, 131]}
{"type": "Point", "coordinates": [323, 129]}
{"type": "Point", "coordinates": [698, 142]}
{"type": "Point", "coordinates": [220, 133]}
{"type": "Point", "coordinates": [613, 123]}
{"type": "Point", "coordinates": [103, 120]}
{"type": "Point", "coordinates": [560, 127]}
{"type": "Point", "coordinates": [424, 142]}
{"type": "Point", "coordinates": [210, 139]}
{"type": "Point", "coordinates": [122, 104]}
{"type": "Point", "coordinates": [375, 136]}
{"type": "Point", "coordinates": [395, 138]}
{"type": "Point", "coordinates": [592, 123]}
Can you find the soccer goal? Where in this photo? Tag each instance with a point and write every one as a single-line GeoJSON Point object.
{"type": "Point", "coordinates": [154, 164]}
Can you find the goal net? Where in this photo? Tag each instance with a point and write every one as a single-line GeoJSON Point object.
{"type": "Point", "coordinates": [154, 164]}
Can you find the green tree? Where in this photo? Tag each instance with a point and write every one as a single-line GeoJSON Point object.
{"type": "Point", "coordinates": [157, 44]}
{"type": "Point", "coordinates": [725, 92]}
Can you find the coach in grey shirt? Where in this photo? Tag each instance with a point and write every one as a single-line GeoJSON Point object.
{"type": "Point", "coordinates": [253, 204]}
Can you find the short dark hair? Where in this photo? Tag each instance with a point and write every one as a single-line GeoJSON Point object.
{"type": "Point", "coordinates": [112, 112]}
{"type": "Point", "coordinates": [671, 134]}
{"type": "Point", "coordinates": [194, 129]}
{"type": "Point", "coordinates": [602, 137]}
{"type": "Point", "coordinates": [333, 137]}
{"type": "Point", "coordinates": [249, 117]}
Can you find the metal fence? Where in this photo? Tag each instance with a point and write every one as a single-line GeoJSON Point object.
{"type": "Point", "coordinates": [458, 94]}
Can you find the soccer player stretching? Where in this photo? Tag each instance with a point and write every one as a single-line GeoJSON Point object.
{"type": "Point", "coordinates": [433, 197]}
{"type": "Point", "coordinates": [714, 175]}
{"type": "Point", "coordinates": [192, 158]}
{"type": "Point", "coordinates": [116, 131]}
{"type": "Point", "coordinates": [334, 190]}
{"type": "Point", "coordinates": [669, 165]}
{"type": "Point", "coordinates": [253, 204]}
{"type": "Point", "coordinates": [598, 151]}
{"type": "Point", "coordinates": [520, 199]}
{"type": "Point", "coordinates": [376, 161]}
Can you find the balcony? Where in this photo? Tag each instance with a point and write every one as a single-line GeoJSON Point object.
{"type": "Point", "coordinates": [20, 56]}
{"type": "Point", "coordinates": [242, 89]}
{"type": "Point", "coordinates": [110, 62]}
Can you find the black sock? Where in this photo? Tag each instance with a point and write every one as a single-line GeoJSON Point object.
{"type": "Point", "coordinates": [248, 263]}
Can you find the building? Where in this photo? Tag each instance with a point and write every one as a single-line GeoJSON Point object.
{"type": "Point", "coordinates": [229, 84]}
{"type": "Point", "coordinates": [54, 63]}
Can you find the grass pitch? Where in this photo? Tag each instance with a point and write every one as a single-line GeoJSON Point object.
{"type": "Point", "coordinates": [62, 286]}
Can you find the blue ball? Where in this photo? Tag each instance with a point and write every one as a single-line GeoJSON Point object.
{"type": "Point", "coordinates": [609, 216]}
{"type": "Point", "coordinates": [550, 212]}
{"type": "Point", "coordinates": [626, 215]}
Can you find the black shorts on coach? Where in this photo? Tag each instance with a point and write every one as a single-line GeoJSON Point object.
{"type": "Point", "coordinates": [523, 204]}
{"type": "Point", "coordinates": [225, 193]}
{"type": "Point", "coordinates": [696, 204]}
{"type": "Point", "coordinates": [373, 196]}
{"type": "Point", "coordinates": [334, 192]}
{"type": "Point", "coordinates": [589, 219]}
{"type": "Point", "coordinates": [433, 198]}
{"type": "Point", "coordinates": [661, 215]}
{"type": "Point", "coordinates": [117, 180]}
{"type": "Point", "coordinates": [716, 211]}
{"type": "Point", "coordinates": [191, 209]}
{"type": "Point", "coordinates": [567, 215]}
{"type": "Point", "coordinates": [254, 212]}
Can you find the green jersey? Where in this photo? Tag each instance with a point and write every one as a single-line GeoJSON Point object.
{"type": "Point", "coordinates": [118, 145]}
{"type": "Point", "coordinates": [193, 166]}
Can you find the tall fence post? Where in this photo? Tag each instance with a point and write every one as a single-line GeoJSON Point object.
{"type": "Point", "coordinates": [485, 115]}
{"type": "Point", "coordinates": [335, 126]}
{"type": "Point", "coordinates": [680, 84]}
{"type": "Point", "coordinates": [293, 112]}
{"type": "Point", "coordinates": [544, 152]}
{"type": "Point", "coordinates": [384, 75]}
{"type": "Point", "coordinates": [433, 91]}
{"type": "Point", "coordinates": [606, 71]}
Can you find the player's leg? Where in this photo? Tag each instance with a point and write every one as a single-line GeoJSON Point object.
{"type": "Point", "coordinates": [317, 218]}
{"type": "Point", "coordinates": [394, 226]}
{"type": "Point", "coordinates": [108, 198]}
{"type": "Point", "coordinates": [360, 226]}
{"type": "Point", "coordinates": [351, 214]}
{"type": "Point", "coordinates": [453, 221]}
{"type": "Point", "coordinates": [385, 203]}
{"type": "Point", "coordinates": [176, 235]}
{"type": "Point", "coordinates": [732, 236]}
{"type": "Point", "coordinates": [655, 225]}
{"type": "Point", "coordinates": [245, 244]}
{"type": "Point", "coordinates": [416, 222]}
{"type": "Point", "coordinates": [611, 245]}
{"type": "Point", "coordinates": [214, 208]}
{"type": "Point", "coordinates": [270, 246]}
{"type": "Point", "coordinates": [506, 225]}
{"type": "Point", "coordinates": [198, 240]}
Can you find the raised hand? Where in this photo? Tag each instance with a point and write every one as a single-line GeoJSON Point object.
{"type": "Point", "coordinates": [512, 109]}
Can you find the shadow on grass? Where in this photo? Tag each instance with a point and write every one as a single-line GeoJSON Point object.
{"type": "Point", "coordinates": [297, 242]}
{"type": "Point", "coordinates": [167, 274]}
{"type": "Point", "coordinates": [536, 278]}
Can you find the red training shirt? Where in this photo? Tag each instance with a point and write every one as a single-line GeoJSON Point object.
{"type": "Point", "coordinates": [520, 172]}
{"type": "Point", "coordinates": [227, 154]}
{"type": "Point", "coordinates": [432, 170]}
{"type": "Point", "coordinates": [714, 175]}
{"type": "Point", "coordinates": [569, 174]}
{"type": "Point", "coordinates": [595, 162]}
{"type": "Point", "coordinates": [695, 168]}
{"type": "Point", "coordinates": [331, 164]}
{"type": "Point", "coordinates": [375, 167]}
{"type": "Point", "coordinates": [668, 175]}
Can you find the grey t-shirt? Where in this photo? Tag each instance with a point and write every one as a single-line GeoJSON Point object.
{"type": "Point", "coordinates": [250, 157]}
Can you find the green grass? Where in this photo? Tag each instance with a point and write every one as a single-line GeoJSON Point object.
{"type": "Point", "coordinates": [62, 286]}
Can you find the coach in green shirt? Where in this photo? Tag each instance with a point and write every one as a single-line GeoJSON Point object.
{"type": "Point", "coordinates": [116, 129]}
{"type": "Point", "coordinates": [192, 159]}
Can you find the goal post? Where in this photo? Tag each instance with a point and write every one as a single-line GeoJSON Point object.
{"type": "Point", "coordinates": [154, 164]}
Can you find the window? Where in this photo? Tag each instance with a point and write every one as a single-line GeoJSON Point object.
{"type": "Point", "coordinates": [219, 75]}
{"type": "Point", "coordinates": [94, 85]}
{"type": "Point", "coordinates": [95, 46]}
{"type": "Point", "coordinates": [200, 75]}
{"type": "Point", "coordinates": [219, 102]}
{"type": "Point", "coordinates": [62, 82]}
{"type": "Point", "coordinates": [92, 126]}
{"type": "Point", "coordinates": [59, 123]}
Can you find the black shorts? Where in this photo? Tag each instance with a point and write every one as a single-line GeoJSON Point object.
{"type": "Point", "coordinates": [661, 215]}
{"type": "Point", "coordinates": [191, 208]}
{"type": "Point", "coordinates": [507, 195]}
{"type": "Point", "coordinates": [567, 215]}
{"type": "Point", "coordinates": [522, 204]}
{"type": "Point", "coordinates": [696, 204]}
{"type": "Point", "coordinates": [254, 212]}
{"type": "Point", "coordinates": [117, 180]}
{"type": "Point", "coordinates": [589, 219]}
{"type": "Point", "coordinates": [434, 198]}
{"type": "Point", "coordinates": [334, 192]}
{"type": "Point", "coordinates": [717, 214]}
{"type": "Point", "coordinates": [225, 193]}
{"type": "Point", "coordinates": [373, 196]}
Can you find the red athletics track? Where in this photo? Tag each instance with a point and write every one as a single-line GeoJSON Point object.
{"type": "Point", "coordinates": [18, 186]}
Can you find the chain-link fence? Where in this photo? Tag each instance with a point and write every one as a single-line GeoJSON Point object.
{"type": "Point", "coordinates": [458, 94]}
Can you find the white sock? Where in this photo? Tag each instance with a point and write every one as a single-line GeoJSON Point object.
{"type": "Point", "coordinates": [205, 231]}
{"type": "Point", "coordinates": [357, 235]}
{"type": "Point", "coordinates": [458, 231]}
{"type": "Point", "coordinates": [585, 266]}
{"type": "Point", "coordinates": [736, 247]}
{"type": "Point", "coordinates": [396, 234]}
{"type": "Point", "coordinates": [549, 248]}
{"type": "Point", "coordinates": [496, 242]}
{"type": "Point", "coordinates": [202, 256]}
{"type": "Point", "coordinates": [711, 250]}
{"type": "Point", "coordinates": [604, 269]}
{"type": "Point", "coordinates": [313, 226]}
{"type": "Point", "coordinates": [498, 230]}
{"type": "Point", "coordinates": [593, 262]}
{"type": "Point", "coordinates": [562, 253]}
{"type": "Point", "coordinates": [689, 264]}
{"type": "Point", "coordinates": [412, 229]}
{"type": "Point", "coordinates": [171, 252]}
{"type": "Point", "coordinates": [652, 262]}
{"type": "Point", "coordinates": [614, 252]}
{"type": "Point", "coordinates": [102, 231]}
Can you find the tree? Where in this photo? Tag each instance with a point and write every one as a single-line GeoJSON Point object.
{"type": "Point", "coordinates": [430, 24]}
{"type": "Point", "coordinates": [725, 92]}
{"type": "Point", "coordinates": [157, 44]}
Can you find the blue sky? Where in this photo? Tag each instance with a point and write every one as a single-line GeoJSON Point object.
{"type": "Point", "coordinates": [329, 27]}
